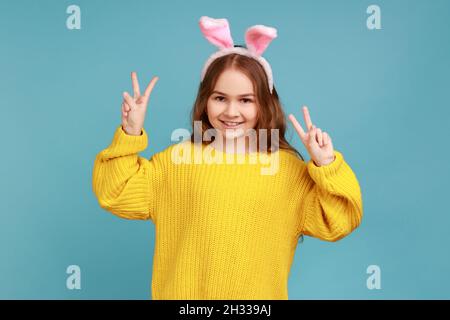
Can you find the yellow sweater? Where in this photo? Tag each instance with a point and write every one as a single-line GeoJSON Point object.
{"type": "Point", "coordinates": [225, 230]}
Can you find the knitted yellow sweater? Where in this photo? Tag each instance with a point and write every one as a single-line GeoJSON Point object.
{"type": "Point", "coordinates": [225, 230]}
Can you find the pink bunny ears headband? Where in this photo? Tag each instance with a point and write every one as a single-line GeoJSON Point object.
{"type": "Point", "coordinates": [257, 39]}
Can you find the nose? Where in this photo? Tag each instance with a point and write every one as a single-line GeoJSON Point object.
{"type": "Point", "coordinates": [231, 110]}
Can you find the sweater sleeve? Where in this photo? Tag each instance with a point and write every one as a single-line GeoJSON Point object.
{"type": "Point", "coordinates": [332, 205]}
{"type": "Point", "coordinates": [124, 183]}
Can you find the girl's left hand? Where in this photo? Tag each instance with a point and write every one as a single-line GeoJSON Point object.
{"type": "Point", "coordinates": [318, 143]}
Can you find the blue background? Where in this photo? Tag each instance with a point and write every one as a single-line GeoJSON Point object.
{"type": "Point", "coordinates": [381, 94]}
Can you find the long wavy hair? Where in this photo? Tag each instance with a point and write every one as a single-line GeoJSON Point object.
{"type": "Point", "coordinates": [270, 111]}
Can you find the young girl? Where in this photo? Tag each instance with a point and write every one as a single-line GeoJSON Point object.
{"type": "Point", "coordinates": [225, 230]}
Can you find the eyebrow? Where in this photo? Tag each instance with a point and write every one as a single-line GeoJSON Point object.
{"type": "Point", "coordinates": [241, 95]}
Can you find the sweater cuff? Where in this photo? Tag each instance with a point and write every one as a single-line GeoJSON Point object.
{"type": "Point", "coordinates": [124, 144]}
{"type": "Point", "coordinates": [319, 174]}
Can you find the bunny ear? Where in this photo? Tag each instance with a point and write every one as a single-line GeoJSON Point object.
{"type": "Point", "coordinates": [259, 37]}
{"type": "Point", "coordinates": [217, 31]}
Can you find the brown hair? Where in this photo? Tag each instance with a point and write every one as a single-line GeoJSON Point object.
{"type": "Point", "coordinates": [270, 111]}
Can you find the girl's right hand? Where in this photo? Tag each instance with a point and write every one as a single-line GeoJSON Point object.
{"type": "Point", "coordinates": [134, 108]}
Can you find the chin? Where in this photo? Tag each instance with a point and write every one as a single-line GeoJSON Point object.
{"type": "Point", "coordinates": [233, 133]}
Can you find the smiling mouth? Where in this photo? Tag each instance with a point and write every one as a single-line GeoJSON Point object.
{"type": "Point", "coordinates": [231, 124]}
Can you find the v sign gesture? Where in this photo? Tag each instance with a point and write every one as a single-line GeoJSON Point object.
{"type": "Point", "coordinates": [318, 143]}
{"type": "Point", "coordinates": [134, 108]}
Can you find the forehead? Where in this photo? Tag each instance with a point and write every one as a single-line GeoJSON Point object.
{"type": "Point", "coordinates": [234, 83]}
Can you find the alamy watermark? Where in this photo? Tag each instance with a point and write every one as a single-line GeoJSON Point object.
{"type": "Point", "coordinates": [374, 20]}
{"type": "Point", "coordinates": [74, 20]}
{"type": "Point", "coordinates": [236, 139]}
{"type": "Point", "coordinates": [73, 281]}
{"type": "Point", "coordinates": [374, 280]}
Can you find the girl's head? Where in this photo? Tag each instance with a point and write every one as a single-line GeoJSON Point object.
{"type": "Point", "coordinates": [235, 89]}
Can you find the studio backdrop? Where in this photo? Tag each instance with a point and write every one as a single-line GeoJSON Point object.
{"type": "Point", "coordinates": [375, 74]}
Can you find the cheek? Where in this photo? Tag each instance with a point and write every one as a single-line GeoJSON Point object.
{"type": "Point", "coordinates": [213, 110]}
{"type": "Point", "coordinates": [251, 113]}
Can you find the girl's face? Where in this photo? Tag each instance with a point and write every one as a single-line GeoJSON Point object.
{"type": "Point", "coordinates": [232, 104]}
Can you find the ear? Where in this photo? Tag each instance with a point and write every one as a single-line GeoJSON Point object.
{"type": "Point", "coordinates": [259, 37]}
{"type": "Point", "coordinates": [217, 31]}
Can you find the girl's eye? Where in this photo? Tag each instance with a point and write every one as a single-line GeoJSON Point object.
{"type": "Point", "coordinates": [219, 98]}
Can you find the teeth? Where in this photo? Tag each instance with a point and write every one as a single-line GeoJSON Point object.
{"type": "Point", "coordinates": [231, 123]}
